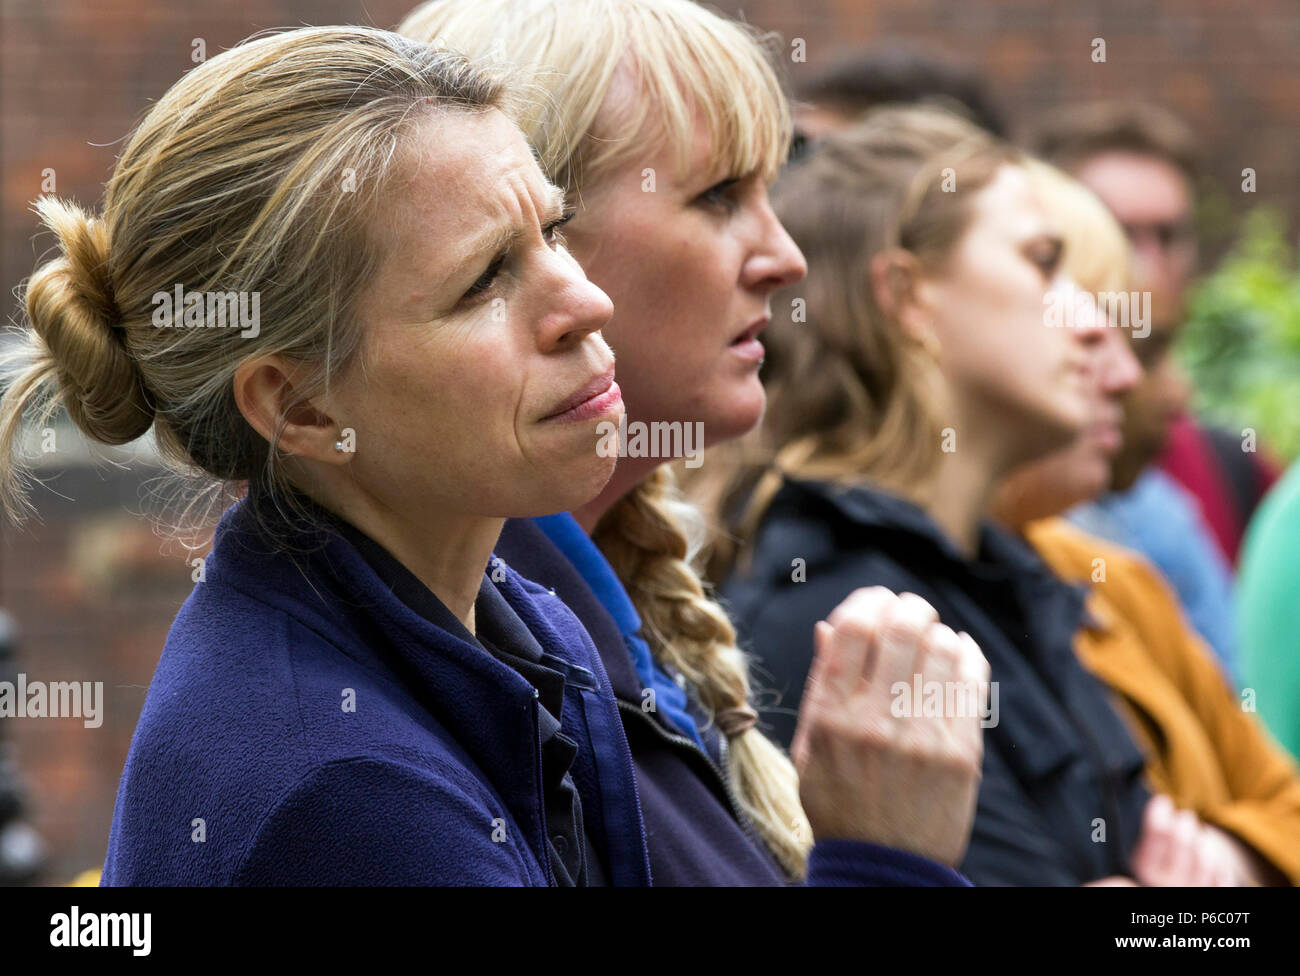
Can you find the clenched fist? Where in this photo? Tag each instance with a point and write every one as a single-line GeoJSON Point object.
{"type": "Point", "coordinates": [867, 772]}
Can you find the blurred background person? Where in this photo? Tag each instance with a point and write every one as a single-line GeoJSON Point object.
{"type": "Point", "coordinates": [922, 376]}
{"type": "Point", "coordinates": [1208, 755]}
{"type": "Point", "coordinates": [1181, 493]}
{"type": "Point", "coordinates": [1269, 594]}
{"type": "Point", "coordinates": [837, 95]}
{"type": "Point", "coordinates": [23, 853]}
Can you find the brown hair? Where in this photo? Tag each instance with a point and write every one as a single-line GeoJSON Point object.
{"type": "Point", "coordinates": [893, 75]}
{"type": "Point", "coordinates": [1073, 134]}
{"type": "Point", "coordinates": [849, 395]}
{"type": "Point", "coordinates": [253, 175]}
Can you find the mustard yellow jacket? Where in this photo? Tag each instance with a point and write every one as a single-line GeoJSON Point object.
{"type": "Point", "coordinates": [1205, 749]}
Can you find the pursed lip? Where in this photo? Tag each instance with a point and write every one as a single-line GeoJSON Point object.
{"type": "Point", "coordinates": [592, 388]}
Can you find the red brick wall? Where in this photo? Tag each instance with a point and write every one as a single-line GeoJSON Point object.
{"type": "Point", "coordinates": [92, 590]}
{"type": "Point", "coordinates": [1232, 70]}
{"type": "Point", "coordinates": [73, 76]}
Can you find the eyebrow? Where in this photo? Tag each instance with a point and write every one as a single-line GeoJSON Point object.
{"type": "Point", "coordinates": [500, 239]}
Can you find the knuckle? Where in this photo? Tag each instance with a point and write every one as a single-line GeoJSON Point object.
{"type": "Point", "coordinates": [944, 647]}
{"type": "Point", "coordinates": [973, 662]}
{"type": "Point", "coordinates": [904, 628]}
{"type": "Point", "coordinates": [942, 635]}
{"type": "Point", "coordinates": [863, 603]}
{"type": "Point", "coordinates": [856, 628]}
{"type": "Point", "coordinates": [872, 731]}
{"type": "Point", "coordinates": [958, 759]}
{"type": "Point", "coordinates": [918, 606]}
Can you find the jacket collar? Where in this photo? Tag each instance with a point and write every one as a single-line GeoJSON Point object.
{"type": "Point", "coordinates": [485, 706]}
{"type": "Point", "coordinates": [555, 551]}
{"type": "Point", "coordinates": [1051, 611]}
{"type": "Point", "coordinates": [531, 551]}
{"type": "Point", "coordinates": [1000, 554]}
{"type": "Point", "coordinates": [1004, 560]}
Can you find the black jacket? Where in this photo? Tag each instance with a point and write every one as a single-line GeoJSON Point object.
{"type": "Point", "coordinates": [1060, 769]}
{"type": "Point", "coordinates": [696, 832]}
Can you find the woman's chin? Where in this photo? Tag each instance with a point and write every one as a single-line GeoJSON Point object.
{"type": "Point", "coordinates": [579, 485]}
{"type": "Point", "coordinates": [1068, 423]}
{"type": "Point", "coordinates": [737, 412]}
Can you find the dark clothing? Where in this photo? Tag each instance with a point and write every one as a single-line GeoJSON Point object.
{"type": "Point", "coordinates": [306, 726]}
{"type": "Point", "coordinates": [1060, 769]}
{"type": "Point", "coordinates": [573, 856]}
{"type": "Point", "coordinates": [695, 830]}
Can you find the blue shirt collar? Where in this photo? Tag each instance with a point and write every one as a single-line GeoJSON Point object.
{"type": "Point", "coordinates": [571, 539]}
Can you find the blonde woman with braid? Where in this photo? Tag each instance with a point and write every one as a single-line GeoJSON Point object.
{"type": "Point", "coordinates": [665, 123]}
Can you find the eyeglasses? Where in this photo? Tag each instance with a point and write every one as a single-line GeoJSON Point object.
{"type": "Point", "coordinates": [1168, 234]}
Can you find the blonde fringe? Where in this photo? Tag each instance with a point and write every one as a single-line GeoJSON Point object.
{"type": "Point", "coordinates": [643, 539]}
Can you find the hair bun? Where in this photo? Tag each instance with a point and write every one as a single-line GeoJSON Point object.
{"type": "Point", "coordinates": [72, 308]}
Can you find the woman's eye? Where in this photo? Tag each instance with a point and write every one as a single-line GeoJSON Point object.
{"type": "Point", "coordinates": [552, 230]}
{"type": "Point", "coordinates": [1048, 259]}
{"type": "Point", "coordinates": [553, 237]}
{"type": "Point", "coordinates": [717, 195]}
{"type": "Point", "coordinates": [484, 281]}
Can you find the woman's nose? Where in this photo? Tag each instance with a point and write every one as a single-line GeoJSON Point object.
{"type": "Point", "coordinates": [1121, 370]}
{"type": "Point", "coordinates": [777, 262]}
{"type": "Point", "coordinates": [577, 308]}
{"type": "Point", "coordinates": [1089, 320]}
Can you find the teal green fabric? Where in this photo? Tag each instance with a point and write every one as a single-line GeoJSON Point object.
{"type": "Point", "coordinates": [1269, 610]}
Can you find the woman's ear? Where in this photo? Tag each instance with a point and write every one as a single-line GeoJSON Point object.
{"type": "Point", "coordinates": [266, 390]}
{"type": "Point", "coordinates": [897, 287]}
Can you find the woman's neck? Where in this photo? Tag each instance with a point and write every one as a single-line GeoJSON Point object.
{"type": "Point", "coordinates": [962, 491]}
{"type": "Point", "coordinates": [447, 552]}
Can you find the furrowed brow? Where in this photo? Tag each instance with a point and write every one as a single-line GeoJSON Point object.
{"type": "Point", "coordinates": [500, 238]}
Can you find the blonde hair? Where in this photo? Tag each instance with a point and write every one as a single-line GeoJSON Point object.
{"type": "Point", "coordinates": [254, 174]}
{"type": "Point", "coordinates": [850, 396]}
{"type": "Point", "coordinates": [684, 58]}
{"type": "Point", "coordinates": [1097, 254]}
